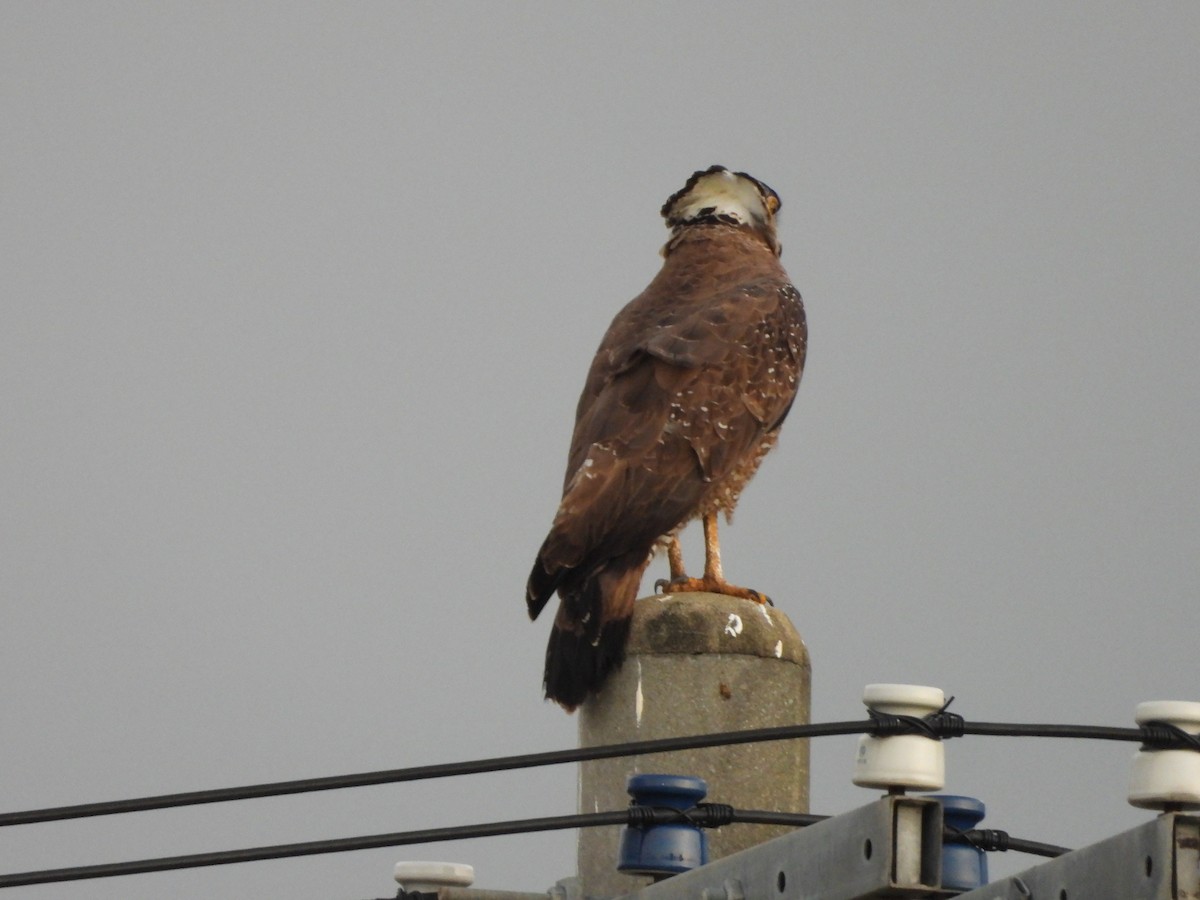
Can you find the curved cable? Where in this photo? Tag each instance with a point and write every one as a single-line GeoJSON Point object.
{"type": "Point", "coordinates": [439, 770]}
{"type": "Point", "coordinates": [707, 815]}
{"type": "Point", "coordinates": [940, 725]}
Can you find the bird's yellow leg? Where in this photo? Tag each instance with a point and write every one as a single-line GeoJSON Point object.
{"type": "Point", "coordinates": [713, 581]}
{"type": "Point", "coordinates": [675, 559]}
{"type": "Point", "coordinates": [712, 551]}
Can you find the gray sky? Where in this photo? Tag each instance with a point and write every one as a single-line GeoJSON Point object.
{"type": "Point", "coordinates": [297, 302]}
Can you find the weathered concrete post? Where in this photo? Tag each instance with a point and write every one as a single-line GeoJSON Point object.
{"type": "Point", "coordinates": [698, 663]}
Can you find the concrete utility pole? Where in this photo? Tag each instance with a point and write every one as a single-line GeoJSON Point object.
{"type": "Point", "coordinates": [698, 663]}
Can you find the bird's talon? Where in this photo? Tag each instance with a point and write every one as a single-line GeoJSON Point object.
{"type": "Point", "coordinates": [660, 586]}
{"type": "Point", "coordinates": [759, 598]}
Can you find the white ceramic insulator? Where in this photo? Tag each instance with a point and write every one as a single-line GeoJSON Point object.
{"type": "Point", "coordinates": [1163, 779]}
{"type": "Point", "coordinates": [903, 761]}
{"type": "Point", "coordinates": [429, 876]}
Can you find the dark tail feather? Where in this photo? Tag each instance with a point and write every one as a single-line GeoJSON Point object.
{"type": "Point", "coordinates": [540, 587]}
{"type": "Point", "coordinates": [588, 640]}
{"type": "Point", "coordinates": [576, 665]}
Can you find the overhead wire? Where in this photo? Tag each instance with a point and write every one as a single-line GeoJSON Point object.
{"type": "Point", "coordinates": [702, 815]}
{"type": "Point", "coordinates": [941, 725]}
{"type": "Point", "coordinates": [436, 770]}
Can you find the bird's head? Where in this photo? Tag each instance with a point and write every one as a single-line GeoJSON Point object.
{"type": "Point", "coordinates": [715, 196]}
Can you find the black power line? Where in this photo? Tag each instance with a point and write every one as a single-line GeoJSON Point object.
{"type": "Point", "coordinates": [940, 725]}
{"type": "Point", "coordinates": [310, 848]}
{"type": "Point", "coordinates": [439, 770]}
{"type": "Point", "coordinates": [703, 815]}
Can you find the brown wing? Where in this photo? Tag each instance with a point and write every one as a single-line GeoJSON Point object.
{"type": "Point", "coordinates": [717, 374]}
{"type": "Point", "coordinates": [675, 400]}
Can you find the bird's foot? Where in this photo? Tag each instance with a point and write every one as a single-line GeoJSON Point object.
{"type": "Point", "coordinates": [710, 586]}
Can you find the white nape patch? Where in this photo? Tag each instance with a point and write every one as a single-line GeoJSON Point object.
{"type": "Point", "coordinates": [638, 700]}
{"type": "Point", "coordinates": [734, 626]}
{"type": "Point", "coordinates": [725, 194]}
{"type": "Point", "coordinates": [779, 649]}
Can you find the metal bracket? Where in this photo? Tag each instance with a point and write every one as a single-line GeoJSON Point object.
{"type": "Point", "coordinates": [1159, 860]}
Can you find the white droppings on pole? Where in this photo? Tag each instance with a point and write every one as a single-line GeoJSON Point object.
{"type": "Point", "coordinates": [638, 701]}
{"type": "Point", "coordinates": [734, 626]}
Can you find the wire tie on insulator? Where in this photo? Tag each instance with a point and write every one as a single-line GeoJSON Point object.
{"type": "Point", "coordinates": [986, 839]}
{"type": "Point", "coordinates": [1167, 736]}
{"type": "Point", "coordinates": [954, 835]}
{"type": "Point", "coordinates": [702, 815]}
{"type": "Point", "coordinates": [991, 839]}
{"type": "Point", "coordinates": [716, 814]}
{"type": "Point", "coordinates": [642, 816]}
{"type": "Point", "coordinates": [948, 724]}
{"type": "Point", "coordinates": [890, 725]}
{"type": "Point", "coordinates": [935, 726]}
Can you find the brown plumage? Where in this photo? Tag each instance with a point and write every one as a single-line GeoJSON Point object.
{"type": "Point", "coordinates": [683, 399]}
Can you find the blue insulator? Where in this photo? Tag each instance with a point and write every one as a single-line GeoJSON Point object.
{"type": "Point", "coordinates": [663, 850]}
{"type": "Point", "coordinates": [964, 867]}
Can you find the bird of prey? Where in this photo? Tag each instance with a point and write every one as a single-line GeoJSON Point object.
{"type": "Point", "coordinates": [684, 398]}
